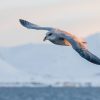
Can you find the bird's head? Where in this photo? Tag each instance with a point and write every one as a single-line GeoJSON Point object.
{"type": "Point", "coordinates": [49, 36]}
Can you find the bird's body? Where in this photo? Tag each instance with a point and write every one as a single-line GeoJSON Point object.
{"type": "Point", "coordinates": [64, 38]}
{"type": "Point", "coordinates": [56, 39]}
{"type": "Point", "coordinates": [59, 40]}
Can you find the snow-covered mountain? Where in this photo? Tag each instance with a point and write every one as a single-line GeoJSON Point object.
{"type": "Point", "coordinates": [50, 63]}
{"type": "Point", "coordinates": [8, 73]}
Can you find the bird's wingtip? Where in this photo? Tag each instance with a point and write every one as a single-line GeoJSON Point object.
{"type": "Point", "coordinates": [21, 21]}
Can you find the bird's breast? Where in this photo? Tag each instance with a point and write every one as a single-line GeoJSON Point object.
{"type": "Point", "coordinates": [58, 41]}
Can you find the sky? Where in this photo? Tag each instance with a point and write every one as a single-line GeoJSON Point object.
{"type": "Point", "coordinates": [81, 17]}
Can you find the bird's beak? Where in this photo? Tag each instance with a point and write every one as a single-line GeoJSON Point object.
{"type": "Point", "coordinates": [45, 38]}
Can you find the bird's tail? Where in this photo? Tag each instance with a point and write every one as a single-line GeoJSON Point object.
{"type": "Point", "coordinates": [84, 42]}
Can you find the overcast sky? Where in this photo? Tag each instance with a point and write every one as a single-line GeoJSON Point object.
{"type": "Point", "coordinates": [79, 17]}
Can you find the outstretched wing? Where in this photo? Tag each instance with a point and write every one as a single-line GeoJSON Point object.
{"type": "Point", "coordinates": [89, 56]}
{"type": "Point", "coordinates": [33, 26]}
{"type": "Point", "coordinates": [83, 52]}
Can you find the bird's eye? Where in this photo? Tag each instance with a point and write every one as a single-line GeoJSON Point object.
{"type": "Point", "coordinates": [50, 34]}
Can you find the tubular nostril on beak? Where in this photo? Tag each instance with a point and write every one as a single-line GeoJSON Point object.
{"type": "Point", "coordinates": [44, 38]}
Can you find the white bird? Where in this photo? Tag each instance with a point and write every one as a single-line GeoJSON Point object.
{"type": "Point", "coordinates": [60, 37]}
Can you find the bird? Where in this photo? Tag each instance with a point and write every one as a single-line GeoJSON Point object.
{"type": "Point", "coordinates": [64, 38]}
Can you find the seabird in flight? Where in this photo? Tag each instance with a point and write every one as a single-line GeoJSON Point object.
{"type": "Point", "coordinates": [61, 37]}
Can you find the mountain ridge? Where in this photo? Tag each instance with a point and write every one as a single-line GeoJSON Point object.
{"type": "Point", "coordinates": [47, 63]}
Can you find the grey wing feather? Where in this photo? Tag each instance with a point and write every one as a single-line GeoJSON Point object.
{"type": "Point", "coordinates": [82, 51]}
{"type": "Point", "coordinates": [33, 26]}
{"type": "Point", "coordinates": [89, 56]}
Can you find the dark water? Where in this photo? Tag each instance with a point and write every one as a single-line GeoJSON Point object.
{"type": "Point", "coordinates": [26, 93]}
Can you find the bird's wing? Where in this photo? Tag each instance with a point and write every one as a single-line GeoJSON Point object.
{"type": "Point", "coordinates": [83, 52]}
{"type": "Point", "coordinates": [89, 56]}
{"type": "Point", "coordinates": [33, 26]}
{"type": "Point", "coordinates": [81, 40]}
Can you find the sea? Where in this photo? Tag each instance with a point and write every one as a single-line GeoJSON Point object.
{"type": "Point", "coordinates": [49, 93]}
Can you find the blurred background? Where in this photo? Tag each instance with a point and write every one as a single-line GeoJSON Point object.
{"type": "Point", "coordinates": [79, 17]}
{"type": "Point", "coordinates": [25, 58]}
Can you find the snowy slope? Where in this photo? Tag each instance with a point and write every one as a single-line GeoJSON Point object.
{"type": "Point", "coordinates": [9, 73]}
{"type": "Point", "coordinates": [50, 63]}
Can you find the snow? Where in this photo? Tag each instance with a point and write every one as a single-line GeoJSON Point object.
{"type": "Point", "coordinates": [48, 63]}
{"type": "Point", "coordinates": [9, 73]}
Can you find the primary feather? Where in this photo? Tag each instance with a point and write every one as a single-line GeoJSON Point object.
{"type": "Point", "coordinates": [30, 25]}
